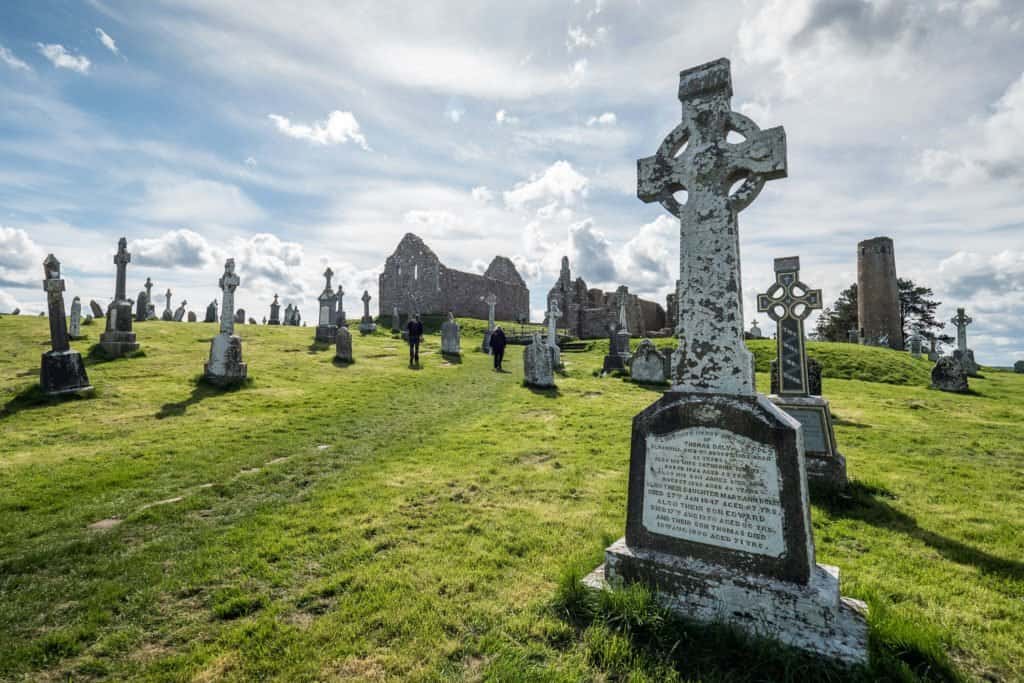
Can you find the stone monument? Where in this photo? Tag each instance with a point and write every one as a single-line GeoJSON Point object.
{"type": "Point", "coordinates": [289, 314]}
{"type": "Point", "coordinates": [296, 317]}
{"type": "Point", "coordinates": [192, 317]}
{"type": "Point", "coordinates": [225, 365]}
{"type": "Point", "coordinates": [327, 328]}
{"type": "Point", "coordinates": [1018, 367]}
{"type": "Point", "coordinates": [788, 302]}
{"type": "Point", "coordinates": [211, 312]}
{"type": "Point", "coordinates": [915, 345]}
{"type": "Point", "coordinates": [143, 312]}
{"type": "Point", "coordinates": [141, 307]}
{"type": "Point", "coordinates": [962, 354]}
{"type": "Point", "coordinates": [61, 370]}
{"type": "Point", "coordinates": [168, 314]}
{"type": "Point", "coordinates": [97, 310]}
{"type": "Point", "coordinates": [718, 518]}
{"type": "Point", "coordinates": [933, 351]}
{"type": "Point", "coordinates": [343, 345]}
{"type": "Point", "coordinates": [240, 316]}
{"type": "Point", "coordinates": [491, 302]}
{"type": "Point", "coordinates": [179, 312]}
{"type": "Point", "coordinates": [537, 370]}
{"type": "Point", "coordinates": [118, 339]}
{"type": "Point", "coordinates": [396, 320]}
{"type": "Point", "coordinates": [275, 312]}
{"type": "Point", "coordinates": [948, 375]}
{"type": "Point", "coordinates": [755, 331]}
{"type": "Point", "coordinates": [878, 296]}
{"type": "Point", "coordinates": [554, 313]}
{"type": "Point", "coordinates": [75, 331]}
{"type": "Point", "coordinates": [366, 324]}
{"type": "Point", "coordinates": [339, 317]}
{"type": "Point", "coordinates": [451, 343]}
{"type": "Point", "coordinates": [618, 344]}
{"type": "Point", "coordinates": [649, 365]}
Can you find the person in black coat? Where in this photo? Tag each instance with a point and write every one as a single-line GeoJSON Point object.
{"type": "Point", "coordinates": [498, 347]}
{"type": "Point", "coordinates": [415, 333]}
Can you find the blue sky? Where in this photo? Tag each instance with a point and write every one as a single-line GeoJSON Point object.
{"type": "Point", "coordinates": [295, 138]}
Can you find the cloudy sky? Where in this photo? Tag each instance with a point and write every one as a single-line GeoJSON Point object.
{"type": "Point", "coordinates": [291, 137]}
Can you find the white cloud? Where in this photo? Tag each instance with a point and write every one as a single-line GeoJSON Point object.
{"type": "Point", "coordinates": [505, 119]}
{"type": "Point", "coordinates": [8, 58]}
{"type": "Point", "coordinates": [189, 201]}
{"type": "Point", "coordinates": [578, 37]}
{"type": "Point", "coordinates": [577, 72]}
{"type": "Point", "coordinates": [965, 274]}
{"type": "Point", "coordinates": [454, 114]}
{"type": "Point", "coordinates": [558, 182]}
{"type": "Point", "coordinates": [21, 259]}
{"type": "Point", "coordinates": [251, 162]}
{"type": "Point", "coordinates": [340, 127]}
{"type": "Point", "coordinates": [606, 119]}
{"type": "Point", "coordinates": [482, 194]}
{"type": "Point", "coordinates": [174, 249]}
{"type": "Point", "coordinates": [648, 262]}
{"type": "Point", "coordinates": [62, 59]}
{"type": "Point", "coordinates": [8, 303]}
{"type": "Point", "coordinates": [590, 253]}
{"type": "Point", "coordinates": [269, 265]}
{"type": "Point", "coordinates": [107, 41]}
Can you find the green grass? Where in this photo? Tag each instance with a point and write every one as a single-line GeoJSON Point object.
{"type": "Point", "coordinates": [372, 521]}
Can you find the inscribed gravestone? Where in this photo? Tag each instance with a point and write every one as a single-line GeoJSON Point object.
{"type": "Point", "coordinates": [343, 345]}
{"type": "Point", "coordinates": [119, 339]}
{"type": "Point", "coordinates": [366, 324]}
{"type": "Point", "coordinates": [225, 365]}
{"type": "Point", "coordinates": [61, 370]}
{"type": "Point", "coordinates": [275, 312]}
{"type": "Point", "coordinates": [168, 314]}
{"type": "Point", "coordinates": [948, 375]}
{"type": "Point", "coordinates": [327, 329]}
{"type": "Point", "coordinates": [648, 364]}
{"type": "Point", "coordinates": [75, 330]}
{"type": "Point", "coordinates": [451, 343]}
{"type": "Point", "coordinates": [537, 370]}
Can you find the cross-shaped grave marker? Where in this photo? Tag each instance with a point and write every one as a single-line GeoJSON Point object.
{"type": "Point", "coordinates": [788, 302]}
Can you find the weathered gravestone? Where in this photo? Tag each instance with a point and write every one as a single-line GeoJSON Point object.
{"type": "Point", "coordinates": [275, 312]}
{"type": "Point", "coordinates": [343, 345]}
{"type": "Point", "coordinates": [192, 316]}
{"type": "Point", "coordinates": [618, 342]}
{"type": "Point", "coordinates": [118, 339]}
{"type": "Point", "coordinates": [962, 354]}
{"type": "Point", "coordinates": [61, 370]}
{"type": "Point", "coordinates": [252, 321]}
{"type": "Point", "coordinates": [141, 307]}
{"type": "Point", "coordinates": [327, 328]}
{"type": "Point", "coordinates": [75, 330]}
{"type": "Point", "coordinates": [179, 312]}
{"type": "Point", "coordinates": [933, 351]}
{"type": "Point", "coordinates": [755, 331]}
{"type": "Point", "coordinates": [915, 343]}
{"type": "Point", "coordinates": [718, 519]}
{"type": "Point", "coordinates": [240, 316]}
{"type": "Point", "coordinates": [339, 317]}
{"type": "Point", "coordinates": [491, 302]}
{"type": "Point", "coordinates": [97, 310]}
{"type": "Point", "coordinates": [211, 312]}
{"type": "Point", "coordinates": [1019, 366]}
{"type": "Point", "coordinates": [225, 365]}
{"type": "Point", "coordinates": [366, 324]}
{"type": "Point", "coordinates": [451, 342]}
{"type": "Point", "coordinates": [788, 302]}
{"type": "Point", "coordinates": [554, 313]}
{"type": "Point", "coordinates": [143, 312]}
{"type": "Point", "coordinates": [813, 376]}
{"type": "Point", "coordinates": [289, 314]}
{"type": "Point", "coordinates": [168, 314]}
{"type": "Point", "coordinates": [948, 375]}
{"type": "Point", "coordinates": [396, 320]}
{"type": "Point", "coordinates": [648, 365]}
{"type": "Point", "coordinates": [537, 370]}
{"type": "Point", "coordinates": [296, 317]}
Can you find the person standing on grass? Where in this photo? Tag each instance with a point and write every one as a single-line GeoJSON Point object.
{"type": "Point", "coordinates": [498, 347]}
{"type": "Point", "coordinates": [415, 333]}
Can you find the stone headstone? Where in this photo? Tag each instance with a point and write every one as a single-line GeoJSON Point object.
{"type": "Point", "coordinates": [553, 314]}
{"type": "Point", "coordinates": [915, 345]}
{"type": "Point", "coordinates": [97, 310]}
{"type": "Point", "coordinates": [75, 330]}
{"type": "Point", "coordinates": [451, 343]}
{"type": "Point", "coordinates": [275, 312]}
{"type": "Point", "coordinates": [297, 317]}
{"type": "Point", "coordinates": [718, 520]}
{"type": "Point", "coordinates": [967, 362]}
{"type": "Point", "coordinates": [150, 311]}
{"type": "Point", "coordinates": [141, 306]}
{"type": "Point", "coordinates": [648, 364]}
{"type": "Point", "coordinates": [366, 324]}
{"type": "Point", "coordinates": [537, 370]}
{"type": "Point", "coordinates": [962, 353]}
{"type": "Point", "coordinates": [168, 314]}
{"type": "Point", "coordinates": [933, 351]}
{"type": "Point", "coordinates": [192, 317]}
{"type": "Point", "coordinates": [211, 312]}
{"type": "Point", "coordinates": [179, 312]}
{"type": "Point", "coordinates": [149, 292]}
{"type": "Point", "coordinates": [289, 313]}
{"type": "Point", "coordinates": [615, 359]}
{"type": "Point", "coordinates": [240, 316]}
{"type": "Point", "coordinates": [16, 311]}
{"type": "Point", "coordinates": [755, 331]}
{"type": "Point", "coordinates": [1018, 367]}
{"type": "Point", "coordinates": [491, 302]}
{"type": "Point", "coordinates": [343, 345]}
{"type": "Point", "coordinates": [339, 318]}
{"type": "Point", "coordinates": [327, 327]}
{"type": "Point", "coordinates": [225, 365]}
{"type": "Point", "coordinates": [396, 320]}
{"type": "Point", "coordinates": [119, 339]}
{"type": "Point", "coordinates": [948, 375]}
{"type": "Point", "coordinates": [61, 370]}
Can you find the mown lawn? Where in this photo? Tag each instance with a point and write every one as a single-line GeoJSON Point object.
{"type": "Point", "coordinates": [377, 522]}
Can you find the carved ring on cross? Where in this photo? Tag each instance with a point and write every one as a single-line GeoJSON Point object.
{"type": "Point", "coordinates": [677, 171]}
{"type": "Point", "coordinates": [788, 298]}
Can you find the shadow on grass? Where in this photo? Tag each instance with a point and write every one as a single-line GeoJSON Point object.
{"type": "Point", "coordinates": [339, 363]}
{"type": "Point", "coordinates": [839, 420]}
{"type": "Point", "coordinates": [626, 633]}
{"type": "Point", "coordinates": [318, 346]}
{"type": "Point", "coordinates": [864, 503]}
{"type": "Point", "coordinates": [97, 356]}
{"type": "Point", "coordinates": [33, 397]}
{"type": "Point", "coordinates": [201, 391]}
{"type": "Point", "coordinates": [453, 358]}
{"type": "Point", "coordinates": [660, 387]}
{"type": "Point", "coordinates": [547, 392]}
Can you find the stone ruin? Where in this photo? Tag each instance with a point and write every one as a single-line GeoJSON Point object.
{"type": "Point", "coordinates": [878, 296]}
{"type": "Point", "coordinates": [414, 280]}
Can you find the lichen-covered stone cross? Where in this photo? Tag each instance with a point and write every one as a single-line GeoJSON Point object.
{"type": "Point", "coordinates": [788, 302]}
{"type": "Point", "coordinates": [697, 157]}
{"type": "Point", "coordinates": [229, 282]}
{"type": "Point", "coordinates": [960, 321]}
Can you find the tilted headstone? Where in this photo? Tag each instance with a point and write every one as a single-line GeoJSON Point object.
{"type": "Point", "coordinates": [491, 302]}
{"type": "Point", "coordinates": [962, 354]}
{"type": "Point", "coordinates": [648, 364]}
{"type": "Point", "coordinates": [75, 330]}
{"type": "Point", "coordinates": [225, 365]}
{"type": "Point", "coordinates": [718, 519]}
{"type": "Point", "coordinates": [141, 306]}
{"type": "Point", "coordinates": [118, 339]}
{"type": "Point", "coordinates": [192, 317]}
{"type": "Point", "coordinates": [61, 370]}
{"type": "Point", "coordinates": [343, 345]}
{"type": "Point", "coordinates": [211, 312]}
{"type": "Point", "coordinates": [537, 370]}
{"type": "Point", "coordinates": [948, 375]}
{"type": "Point", "coordinates": [97, 310]}
{"type": "Point", "coordinates": [168, 314]}
{"type": "Point", "coordinates": [179, 312]}
{"type": "Point", "coordinates": [451, 342]}
{"type": "Point", "coordinates": [366, 324]}
{"type": "Point", "coordinates": [327, 327]}
{"type": "Point", "coordinates": [554, 313]}
{"type": "Point", "coordinates": [789, 302]}
{"type": "Point", "coordinates": [275, 312]}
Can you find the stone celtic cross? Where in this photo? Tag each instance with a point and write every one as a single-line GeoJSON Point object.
{"type": "Point", "coordinates": [167, 295]}
{"type": "Point", "coordinates": [121, 259]}
{"type": "Point", "coordinates": [54, 287]}
{"type": "Point", "coordinates": [328, 274]}
{"type": "Point", "coordinates": [491, 302]}
{"type": "Point", "coordinates": [788, 302]}
{"type": "Point", "coordinates": [554, 313]}
{"type": "Point", "coordinates": [623, 321]}
{"type": "Point", "coordinates": [149, 289]}
{"type": "Point", "coordinates": [366, 303]}
{"type": "Point", "coordinates": [228, 284]}
{"type": "Point", "coordinates": [960, 321]}
{"type": "Point", "coordinates": [696, 157]}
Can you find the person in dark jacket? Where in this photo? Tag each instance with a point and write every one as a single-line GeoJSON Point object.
{"type": "Point", "coordinates": [498, 347]}
{"type": "Point", "coordinates": [415, 333]}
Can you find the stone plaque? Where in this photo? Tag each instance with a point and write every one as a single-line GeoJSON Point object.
{"type": "Point", "coordinates": [712, 486]}
{"type": "Point", "coordinates": [813, 422]}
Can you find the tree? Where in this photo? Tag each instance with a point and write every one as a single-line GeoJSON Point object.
{"type": "Point", "coordinates": [917, 312]}
{"type": "Point", "coordinates": [836, 321]}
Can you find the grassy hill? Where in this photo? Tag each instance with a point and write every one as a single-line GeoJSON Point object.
{"type": "Point", "coordinates": [377, 522]}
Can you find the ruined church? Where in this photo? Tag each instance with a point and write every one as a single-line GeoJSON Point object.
{"type": "Point", "coordinates": [415, 281]}
{"type": "Point", "coordinates": [588, 313]}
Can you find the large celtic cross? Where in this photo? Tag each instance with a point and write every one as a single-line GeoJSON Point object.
{"type": "Point", "coordinates": [788, 302]}
{"type": "Point", "coordinates": [121, 259]}
{"type": "Point", "coordinates": [696, 157]}
{"type": "Point", "coordinates": [961, 320]}
{"type": "Point", "coordinates": [328, 274]}
{"type": "Point", "coordinates": [229, 282]}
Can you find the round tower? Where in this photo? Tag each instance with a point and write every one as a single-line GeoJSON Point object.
{"type": "Point", "coordinates": [878, 297]}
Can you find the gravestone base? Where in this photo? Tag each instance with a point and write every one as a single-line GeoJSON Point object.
{"type": "Point", "coordinates": [62, 372]}
{"type": "Point", "coordinates": [326, 333]}
{"type": "Point", "coordinates": [825, 465]}
{"type": "Point", "coordinates": [966, 361]}
{"type": "Point", "coordinates": [614, 361]}
{"type": "Point", "coordinates": [225, 366]}
{"type": "Point", "coordinates": [556, 357]}
{"type": "Point", "coordinates": [367, 326]}
{"type": "Point", "coordinates": [116, 344]}
{"type": "Point", "coordinates": [812, 616]}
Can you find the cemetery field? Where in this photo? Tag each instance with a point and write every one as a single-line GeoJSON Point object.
{"type": "Point", "coordinates": [375, 522]}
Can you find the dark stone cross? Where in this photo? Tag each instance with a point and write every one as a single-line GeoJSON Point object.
{"type": "Point", "coordinates": [696, 157]}
{"type": "Point", "coordinates": [54, 286]}
{"type": "Point", "coordinates": [328, 274]}
{"type": "Point", "coordinates": [366, 304]}
{"type": "Point", "coordinates": [960, 321]}
{"type": "Point", "coordinates": [121, 259]}
{"type": "Point", "coordinates": [149, 290]}
{"type": "Point", "coordinates": [788, 302]}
